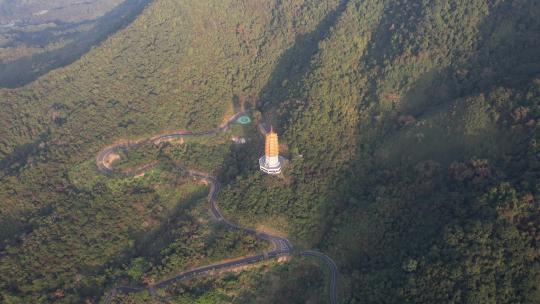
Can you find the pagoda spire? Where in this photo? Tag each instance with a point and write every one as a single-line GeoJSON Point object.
{"type": "Point", "coordinates": [271, 161]}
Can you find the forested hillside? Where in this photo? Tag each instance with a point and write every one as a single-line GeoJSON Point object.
{"type": "Point", "coordinates": [414, 140]}
{"type": "Point", "coordinates": [179, 65]}
{"type": "Point", "coordinates": [412, 130]}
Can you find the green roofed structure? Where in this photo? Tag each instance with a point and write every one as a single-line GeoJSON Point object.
{"type": "Point", "coordinates": [244, 120]}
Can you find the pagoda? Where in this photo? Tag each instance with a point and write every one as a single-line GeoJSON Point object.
{"type": "Point", "coordinates": [271, 162]}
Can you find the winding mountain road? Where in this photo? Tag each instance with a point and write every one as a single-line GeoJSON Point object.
{"type": "Point", "coordinates": [280, 246]}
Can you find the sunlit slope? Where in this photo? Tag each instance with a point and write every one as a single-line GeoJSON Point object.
{"type": "Point", "coordinates": [179, 63]}
{"type": "Point", "coordinates": [425, 114]}
{"type": "Point", "coordinates": [405, 62]}
{"type": "Point", "coordinates": [411, 116]}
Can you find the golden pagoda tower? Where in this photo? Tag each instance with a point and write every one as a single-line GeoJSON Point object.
{"type": "Point", "coordinates": [271, 161]}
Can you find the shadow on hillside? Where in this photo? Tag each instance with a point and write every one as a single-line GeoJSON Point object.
{"type": "Point", "coordinates": [511, 60]}
{"type": "Point", "coordinates": [294, 63]}
{"type": "Point", "coordinates": [506, 56]}
{"type": "Point", "coordinates": [25, 70]}
{"type": "Point", "coordinates": [15, 161]}
{"type": "Point", "coordinates": [151, 245]}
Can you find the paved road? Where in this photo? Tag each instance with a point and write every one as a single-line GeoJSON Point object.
{"type": "Point", "coordinates": [333, 271]}
{"type": "Point", "coordinates": [280, 246]}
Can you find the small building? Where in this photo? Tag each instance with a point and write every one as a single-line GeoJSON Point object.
{"type": "Point", "coordinates": [271, 162]}
{"type": "Point", "coordinates": [239, 140]}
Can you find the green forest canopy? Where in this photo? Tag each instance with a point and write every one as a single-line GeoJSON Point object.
{"type": "Point", "coordinates": [413, 137]}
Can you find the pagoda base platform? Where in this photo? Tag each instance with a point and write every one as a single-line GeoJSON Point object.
{"type": "Point", "coordinates": [269, 169]}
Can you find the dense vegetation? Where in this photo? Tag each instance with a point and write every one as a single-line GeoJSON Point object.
{"type": "Point", "coordinates": [418, 121]}
{"type": "Point", "coordinates": [412, 130]}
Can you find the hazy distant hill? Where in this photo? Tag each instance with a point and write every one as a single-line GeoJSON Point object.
{"type": "Point", "coordinates": [37, 36]}
{"type": "Point", "coordinates": [19, 13]}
